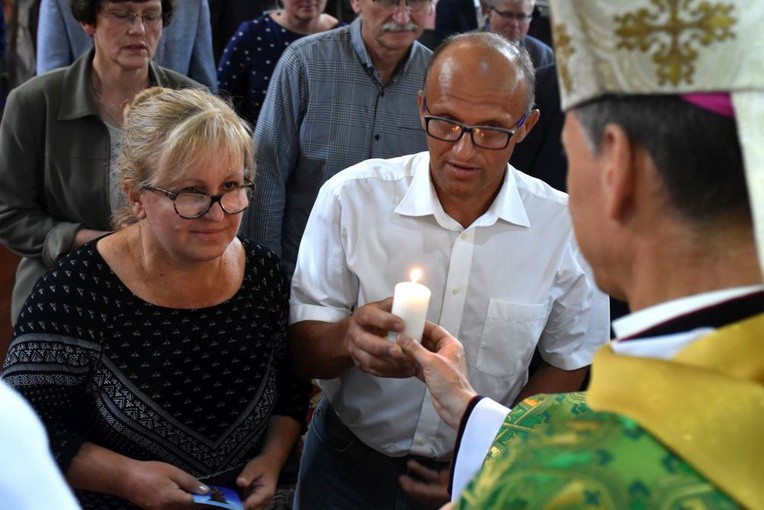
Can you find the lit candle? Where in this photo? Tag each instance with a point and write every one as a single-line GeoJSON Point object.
{"type": "Point", "coordinates": [410, 303]}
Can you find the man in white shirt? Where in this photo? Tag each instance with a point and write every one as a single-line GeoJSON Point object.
{"type": "Point", "coordinates": [658, 173]}
{"type": "Point", "coordinates": [496, 250]}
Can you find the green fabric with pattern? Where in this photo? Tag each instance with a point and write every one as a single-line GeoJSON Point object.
{"type": "Point", "coordinates": [553, 451]}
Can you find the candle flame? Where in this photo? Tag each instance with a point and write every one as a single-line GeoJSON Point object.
{"type": "Point", "coordinates": [415, 274]}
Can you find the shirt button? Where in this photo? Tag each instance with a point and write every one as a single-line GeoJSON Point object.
{"type": "Point", "coordinates": [376, 137]}
{"type": "Point", "coordinates": [455, 291]}
{"type": "Point", "coordinates": [464, 235]}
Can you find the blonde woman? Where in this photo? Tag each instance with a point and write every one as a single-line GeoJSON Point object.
{"type": "Point", "coordinates": [157, 355]}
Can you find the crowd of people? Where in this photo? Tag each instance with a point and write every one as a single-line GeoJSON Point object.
{"type": "Point", "coordinates": [213, 203]}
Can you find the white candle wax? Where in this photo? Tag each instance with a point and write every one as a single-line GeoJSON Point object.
{"type": "Point", "coordinates": [410, 303]}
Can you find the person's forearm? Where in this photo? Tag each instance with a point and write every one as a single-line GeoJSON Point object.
{"type": "Point", "coordinates": [147, 484]}
{"type": "Point", "coordinates": [550, 379]}
{"type": "Point", "coordinates": [319, 349]}
{"type": "Point", "coordinates": [279, 440]}
{"type": "Point", "coordinates": [97, 469]}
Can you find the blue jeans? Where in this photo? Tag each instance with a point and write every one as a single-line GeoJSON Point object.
{"type": "Point", "coordinates": [338, 471]}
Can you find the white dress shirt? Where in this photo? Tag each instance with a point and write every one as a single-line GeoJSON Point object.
{"type": "Point", "coordinates": [512, 280]}
{"type": "Point", "coordinates": [487, 416]}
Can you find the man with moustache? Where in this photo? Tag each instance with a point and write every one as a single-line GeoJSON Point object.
{"type": "Point", "coordinates": [666, 183]}
{"type": "Point", "coordinates": [336, 98]}
{"type": "Point", "coordinates": [496, 250]}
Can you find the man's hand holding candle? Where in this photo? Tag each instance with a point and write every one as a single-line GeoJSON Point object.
{"type": "Point", "coordinates": [366, 338]}
{"type": "Point", "coordinates": [367, 344]}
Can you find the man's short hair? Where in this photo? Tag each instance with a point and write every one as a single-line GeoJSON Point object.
{"type": "Point", "coordinates": [696, 152]}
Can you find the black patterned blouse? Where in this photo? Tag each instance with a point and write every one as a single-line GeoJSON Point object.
{"type": "Point", "coordinates": [193, 388]}
{"type": "Point", "coordinates": [249, 60]}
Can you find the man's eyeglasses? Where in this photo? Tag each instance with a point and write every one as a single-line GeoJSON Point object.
{"type": "Point", "coordinates": [127, 17]}
{"type": "Point", "coordinates": [487, 137]}
{"type": "Point", "coordinates": [509, 15]}
{"type": "Point", "coordinates": [411, 5]}
{"type": "Point", "coordinates": [195, 204]}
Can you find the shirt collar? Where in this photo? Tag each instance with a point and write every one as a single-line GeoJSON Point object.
{"type": "Point", "coordinates": [646, 318]}
{"type": "Point", "coordinates": [77, 100]}
{"type": "Point", "coordinates": [357, 41]}
{"type": "Point", "coordinates": [422, 200]}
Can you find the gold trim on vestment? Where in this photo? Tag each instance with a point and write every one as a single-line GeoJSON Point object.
{"type": "Point", "coordinates": [706, 404]}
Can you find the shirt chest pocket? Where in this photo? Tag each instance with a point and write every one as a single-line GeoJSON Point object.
{"type": "Point", "coordinates": [510, 335]}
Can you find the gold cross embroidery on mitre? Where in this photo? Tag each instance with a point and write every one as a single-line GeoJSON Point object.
{"type": "Point", "coordinates": [563, 50]}
{"type": "Point", "coordinates": [673, 37]}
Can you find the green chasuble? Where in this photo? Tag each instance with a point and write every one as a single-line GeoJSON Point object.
{"type": "Point", "coordinates": [685, 433]}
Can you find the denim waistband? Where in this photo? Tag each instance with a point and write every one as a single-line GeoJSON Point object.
{"type": "Point", "coordinates": [332, 420]}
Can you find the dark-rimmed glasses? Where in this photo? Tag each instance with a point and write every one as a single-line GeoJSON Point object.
{"type": "Point", "coordinates": [411, 5]}
{"type": "Point", "coordinates": [127, 17]}
{"type": "Point", "coordinates": [521, 17]}
{"type": "Point", "coordinates": [195, 204]}
{"type": "Point", "coordinates": [487, 137]}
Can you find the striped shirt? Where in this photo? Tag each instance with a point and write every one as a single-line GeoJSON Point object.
{"type": "Point", "coordinates": [326, 109]}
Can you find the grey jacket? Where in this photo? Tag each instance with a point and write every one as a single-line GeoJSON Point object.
{"type": "Point", "coordinates": [54, 167]}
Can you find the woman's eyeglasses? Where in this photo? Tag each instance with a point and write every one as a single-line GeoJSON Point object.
{"type": "Point", "coordinates": [195, 204]}
{"type": "Point", "coordinates": [127, 17]}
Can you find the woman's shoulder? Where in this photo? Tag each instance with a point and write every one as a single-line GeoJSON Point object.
{"type": "Point", "coordinates": [259, 252]}
{"type": "Point", "coordinates": [262, 262]}
{"type": "Point", "coordinates": [165, 77]}
{"type": "Point", "coordinates": [250, 30]}
{"type": "Point", "coordinates": [78, 288]}
{"type": "Point", "coordinates": [83, 266]}
{"type": "Point", "coordinates": [41, 85]}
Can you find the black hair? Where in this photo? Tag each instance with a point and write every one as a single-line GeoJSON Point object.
{"type": "Point", "coordinates": [696, 152]}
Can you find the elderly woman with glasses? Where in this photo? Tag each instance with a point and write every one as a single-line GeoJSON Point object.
{"type": "Point", "coordinates": [60, 134]}
{"type": "Point", "coordinates": [157, 355]}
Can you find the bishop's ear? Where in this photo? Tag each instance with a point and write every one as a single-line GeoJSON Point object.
{"type": "Point", "coordinates": [619, 158]}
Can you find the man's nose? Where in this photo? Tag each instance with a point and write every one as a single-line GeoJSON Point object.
{"type": "Point", "coordinates": [401, 14]}
{"type": "Point", "coordinates": [464, 145]}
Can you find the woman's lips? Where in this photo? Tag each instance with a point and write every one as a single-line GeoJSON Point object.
{"type": "Point", "coordinates": [136, 47]}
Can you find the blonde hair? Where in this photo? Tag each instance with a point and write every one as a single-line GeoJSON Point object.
{"type": "Point", "coordinates": [168, 133]}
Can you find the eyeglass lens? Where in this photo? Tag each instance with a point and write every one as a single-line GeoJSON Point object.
{"type": "Point", "coordinates": [193, 205]}
{"type": "Point", "coordinates": [450, 131]}
{"type": "Point", "coordinates": [412, 5]}
{"type": "Point", "coordinates": [520, 18]}
{"type": "Point", "coordinates": [128, 17]}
